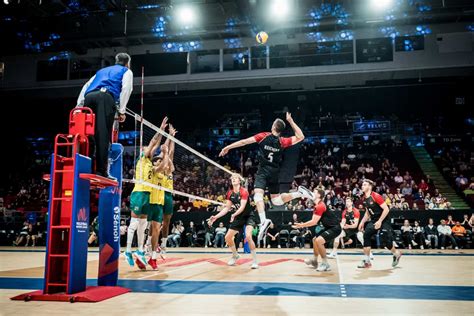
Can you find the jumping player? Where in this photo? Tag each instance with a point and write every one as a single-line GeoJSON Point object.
{"type": "Point", "coordinates": [271, 146]}
{"type": "Point", "coordinates": [349, 224]}
{"type": "Point", "coordinates": [332, 229]}
{"type": "Point", "coordinates": [167, 182]}
{"type": "Point", "coordinates": [157, 201]}
{"type": "Point", "coordinates": [243, 217]}
{"type": "Point", "coordinates": [377, 215]}
{"type": "Point", "coordinates": [140, 199]}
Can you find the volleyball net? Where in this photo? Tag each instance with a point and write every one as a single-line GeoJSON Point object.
{"type": "Point", "coordinates": [196, 177]}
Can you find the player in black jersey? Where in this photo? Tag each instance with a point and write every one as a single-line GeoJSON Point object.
{"type": "Point", "coordinates": [332, 229]}
{"type": "Point", "coordinates": [376, 212]}
{"type": "Point", "coordinates": [349, 224]}
{"type": "Point", "coordinates": [243, 218]}
{"type": "Point", "coordinates": [271, 146]}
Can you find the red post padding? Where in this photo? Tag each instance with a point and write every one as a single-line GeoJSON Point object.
{"type": "Point", "coordinates": [92, 294]}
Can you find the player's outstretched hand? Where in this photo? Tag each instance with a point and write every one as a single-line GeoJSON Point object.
{"type": "Point", "coordinates": [173, 131]}
{"type": "Point", "coordinates": [224, 152]}
{"type": "Point", "coordinates": [288, 117]}
{"type": "Point", "coordinates": [296, 226]}
{"type": "Point", "coordinates": [164, 123]}
{"type": "Point", "coordinates": [122, 118]}
{"type": "Point", "coordinates": [232, 217]}
{"type": "Point", "coordinates": [211, 220]}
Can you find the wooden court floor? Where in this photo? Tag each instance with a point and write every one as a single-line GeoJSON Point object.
{"type": "Point", "coordinates": [197, 281]}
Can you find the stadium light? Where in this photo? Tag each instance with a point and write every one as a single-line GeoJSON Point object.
{"type": "Point", "coordinates": [186, 15]}
{"type": "Point", "coordinates": [381, 4]}
{"type": "Point", "coordinates": [279, 8]}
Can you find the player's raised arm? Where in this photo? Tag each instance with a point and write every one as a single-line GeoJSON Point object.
{"type": "Point", "coordinates": [299, 136]}
{"type": "Point", "coordinates": [240, 143]}
{"type": "Point", "coordinates": [156, 140]}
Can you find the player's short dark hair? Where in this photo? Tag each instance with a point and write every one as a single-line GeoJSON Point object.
{"type": "Point", "coordinates": [370, 182]}
{"type": "Point", "coordinates": [279, 125]}
{"type": "Point", "coordinates": [122, 59]}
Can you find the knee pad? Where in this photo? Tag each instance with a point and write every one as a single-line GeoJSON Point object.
{"type": "Point", "coordinates": [277, 201]}
{"type": "Point", "coordinates": [258, 197]}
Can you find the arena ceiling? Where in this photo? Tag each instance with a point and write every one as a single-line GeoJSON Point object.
{"type": "Point", "coordinates": [73, 25]}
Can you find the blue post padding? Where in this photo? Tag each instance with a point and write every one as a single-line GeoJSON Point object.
{"type": "Point", "coordinates": [109, 222]}
{"type": "Point", "coordinates": [79, 226]}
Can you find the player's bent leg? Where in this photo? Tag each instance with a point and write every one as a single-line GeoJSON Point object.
{"type": "Point", "coordinates": [229, 238]}
{"type": "Point", "coordinates": [314, 260]}
{"type": "Point", "coordinates": [324, 266]}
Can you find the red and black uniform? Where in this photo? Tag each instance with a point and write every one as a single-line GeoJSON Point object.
{"type": "Point", "coordinates": [247, 217]}
{"type": "Point", "coordinates": [373, 205]}
{"type": "Point", "coordinates": [350, 217]}
{"type": "Point", "coordinates": [270, 155]}
{"type": "Point", "coordinates": [330, 221]}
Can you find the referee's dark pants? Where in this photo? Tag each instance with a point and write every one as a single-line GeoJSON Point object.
{"type": "Point", "coordinates": [103, 105]}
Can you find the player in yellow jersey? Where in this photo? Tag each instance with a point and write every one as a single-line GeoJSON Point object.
{"type": "Point", "coordinates": [168, 183]}
{"type": "Point", "coordinates": [157, 201]}
{"type": "Point", "coordinates": [140, 199]}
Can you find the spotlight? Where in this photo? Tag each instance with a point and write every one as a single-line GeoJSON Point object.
{"type": "Point", "coordinates": [381, 4]}
{"type": "Point", "coordinates": [185, 15]}
{"type": "Point", "coordinates": [280, 8]}
{"type": "Point", "coordinates": [6, 1]}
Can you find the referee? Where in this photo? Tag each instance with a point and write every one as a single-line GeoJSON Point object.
{"type": "Point", "coordinates": [106, 92]}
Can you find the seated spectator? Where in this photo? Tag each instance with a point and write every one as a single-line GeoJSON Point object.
{"type": "Point", "coordinates": [23, 234]}
{"type": "Point", "coordinates": [461, 181]}
{"type": "Point", "coordinates": [445, 232]}
{"type": "Point", "coordinates": [431, 234]}
{"type": "Point", "coordinates": [423, 186]}
{"type": "Point", "coordinates": [419, 195]}
{"type": "Point", "coordinates": [407, 190]}
{"type": "Point", "coordinates": [191, 235]}
{"type": "Point", "coordinates": [209, 234]}
{"type": "Point", "coordinates": [273, 237]}
{"type": "Point", "coordinates": [176, 231]}
{"type": "Point", "coordinates": [369, 169]}
{"type": "Point", "coordinates": [415, 207]}
{"type": "Point", "coordinates": [404, 204]}
{"type": "Point", "coordinates": [450, 222]}
{"type": "Point", "coordinates": [181, 208]}
{"type": "Point", "coordinates": [398, 178]}
{"type": "Point", "coordinates": [123, 233]}
{"type": "Point", "coordinates": [459, 233]}
{"type": "Point", "coordinates": [407, 177]}
{"type": "Point", "coordinates": [419, 235]}
{"type": "Point", "coordinates": [32, 235]}
{"type": "Point", "coordinates": [407, 234]}
{"type": "Point", "coordinates": [466, 224]}
{"type": "Point", "coordinates": [220, 236]}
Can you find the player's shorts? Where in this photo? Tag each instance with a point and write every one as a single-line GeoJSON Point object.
{"type": "Point", "coordinates": [331, 233]}
{"type": "Point", "coordinates": [240, 222]}
{"type": "Point", "coordinates": [139, 202]}
{"type": "Point", "coordinates": [155, 213]}
{"type": "Point", "coordinates": [168, 207]}
{"type": "Point", "coordinates": [267, 177]}
{"type": "Point", "coordinates": [386, 234]}
{"type": "Point", "coordinates": [349, 233]}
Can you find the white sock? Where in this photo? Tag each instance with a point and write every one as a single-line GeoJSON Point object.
{"type": "Point", "coordinates": [164, 241]}
{"type": "Point", "coordinates": [142, 222]}
{"type": "Point", "coordinates": [325, 260]}
{"type": "Point", "coordinates": [262, 216]}
{"type": "Point", "coordinates": [367, 258]}
{"type": "Point", "coordinates": [296, 195]}
{"type": "Point", "coordinates": [154, 255]}
{"type": "Point", "coordinates": [148, 240]}
{"type": "Point", "coordinates": [234, 251]}
{"type": "Point", "coordinates": [131, 232]}
{"type": "Point", "coordinates": [254, 255]}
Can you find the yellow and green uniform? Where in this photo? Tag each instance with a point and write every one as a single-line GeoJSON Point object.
{"type": "Point", "coordinates": [140, 198]}
{"type": "Point", "coordinates": [157, 199]}
{"type": "Point", "coordinates": [168, 184]}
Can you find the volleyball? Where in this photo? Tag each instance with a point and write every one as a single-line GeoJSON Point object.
{"type": "Point", "coordinates": [261, 37]}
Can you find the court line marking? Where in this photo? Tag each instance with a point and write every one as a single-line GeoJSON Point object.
{"type": "Point", "coordinates": [179, 269]}
{"type": "Point", "coordinates": [342, 285]}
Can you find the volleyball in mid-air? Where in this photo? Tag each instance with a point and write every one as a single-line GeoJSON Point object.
{"type": "Point", "coordinates": [261, 37]}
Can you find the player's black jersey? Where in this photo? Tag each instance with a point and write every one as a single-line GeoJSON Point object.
{"type": "Point", "coordinates": [372, 204]}
{"type": "Point", "coordinates": [236, 197]}
{"type": "Point", "coordinates": [271, 148]}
